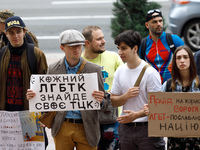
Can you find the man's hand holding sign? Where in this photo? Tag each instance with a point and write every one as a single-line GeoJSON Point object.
{"type": "Point", "coordinates": [64, 92]}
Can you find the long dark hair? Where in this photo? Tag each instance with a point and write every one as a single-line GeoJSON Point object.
{"type": "Point", "coordinates": [175, 71]}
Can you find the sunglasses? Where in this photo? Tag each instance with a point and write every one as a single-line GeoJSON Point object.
{"type": "Point", "coordinates": [153, 11]}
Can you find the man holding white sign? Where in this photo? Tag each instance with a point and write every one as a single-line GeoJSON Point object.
{"type": "Point", "coordinates": [64, 92]}
{"type": "Point", "coordinates": [78, 129]}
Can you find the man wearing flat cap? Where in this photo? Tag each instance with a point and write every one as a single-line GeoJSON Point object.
{"type": "Point", "coordinates": [78, 129]}
{"type": "Point", "coordinates": [5, 14]}
{"type": "Point", "coordinates": [157, 51]}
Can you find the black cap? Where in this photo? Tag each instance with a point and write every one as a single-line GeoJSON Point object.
{"type": "Point", "coordinates": [151, 12]}
{"type": "Point", "coordinates": [14, 21]}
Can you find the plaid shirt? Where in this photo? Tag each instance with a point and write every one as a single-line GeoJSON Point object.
{"type": "Point", "coordinates": [193, 88]}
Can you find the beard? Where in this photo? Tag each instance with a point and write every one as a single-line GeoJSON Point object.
{"type": "Point", "coordinates": [157, 32]}
{"type": "Point", "coordinates": [98, 51]}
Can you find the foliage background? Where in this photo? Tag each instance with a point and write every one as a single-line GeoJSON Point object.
{"type": "Point", "coordinates": [130, 14]}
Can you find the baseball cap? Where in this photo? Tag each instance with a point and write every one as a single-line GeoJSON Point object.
{"type": "Point", "coordinates": [151, 12]}
{"type": "Point", "coordinates": [5, 14]}
{"type": "Point", "coordinates": [14, 21]}
{"type": "Point", "coordinates": [71, 38]}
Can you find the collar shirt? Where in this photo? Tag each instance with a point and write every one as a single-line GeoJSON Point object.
{"type": "Point", "coordinates": [179, 86]}
{"type": "Point", "coordinates": [75, 114]}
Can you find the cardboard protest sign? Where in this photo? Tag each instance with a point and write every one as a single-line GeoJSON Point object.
{"type": "Point", "coordinates": [19, 131]}
{"type": "Point", "coordinates": [174, 114]}
{"type": "Point", "coordinates": [64, 92]}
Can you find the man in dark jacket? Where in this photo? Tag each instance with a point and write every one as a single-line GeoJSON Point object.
{"type": "Point", "coordinates": [5, 14]}
{"type": "Point", "coordinates": [15, 68]}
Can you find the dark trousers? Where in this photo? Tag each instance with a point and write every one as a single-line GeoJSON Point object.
{"type": "Point", "coordinates": [136, 138]}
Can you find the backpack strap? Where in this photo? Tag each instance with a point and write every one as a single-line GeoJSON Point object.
{"type": "Point", "coordinates": [170, 42]}
{"type": "Point", "coordinates": [30, 56]}
{"type": "Point", "coordinates": [143, 48]}
{"type": "Point", "coordinates": [169, 82]}
{"type": "Point", "coordinates": [32, 61]}
{"type": "Point", "coordinates": [137, 83]}
{"type": "Point", "coordinates": [2, 51]}
{"type": "Point", "coordinates": [31, 38]}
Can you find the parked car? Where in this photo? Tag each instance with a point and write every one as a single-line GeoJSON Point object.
{"type": "Point", "coordinates": [184, 21]}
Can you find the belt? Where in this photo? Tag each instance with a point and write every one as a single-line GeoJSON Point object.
{"type": "Point", "coordinates": [135, 124]}
{"type": "Point", "coordinates": [76, 121]}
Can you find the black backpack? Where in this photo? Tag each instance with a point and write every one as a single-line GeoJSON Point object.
{"type": "Point", "coordinates": [30, 56]}
{"type": "Point", "coordinates": [169, 41]}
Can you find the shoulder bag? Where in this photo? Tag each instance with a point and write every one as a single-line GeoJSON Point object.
{"type": "Point", "coordinates": [137, 83]}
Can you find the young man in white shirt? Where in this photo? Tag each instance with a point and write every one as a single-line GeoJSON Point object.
{"type": "Point", "coordinates": [133, 128]}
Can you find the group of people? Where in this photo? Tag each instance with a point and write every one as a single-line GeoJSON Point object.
{"type": "Point", "coordinates": [103, 129]}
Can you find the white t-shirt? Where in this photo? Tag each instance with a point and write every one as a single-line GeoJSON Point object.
{"type": "Point", "coordinates": [125, 78]}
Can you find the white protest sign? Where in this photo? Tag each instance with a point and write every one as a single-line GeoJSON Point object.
{"type": "Point", "coordinates": [64, 92]}
{"type": "Point", "coordinates": [20, 131]}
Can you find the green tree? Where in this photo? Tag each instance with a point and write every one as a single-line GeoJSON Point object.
{"type": "Point", "coordinates": [130, 14]}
